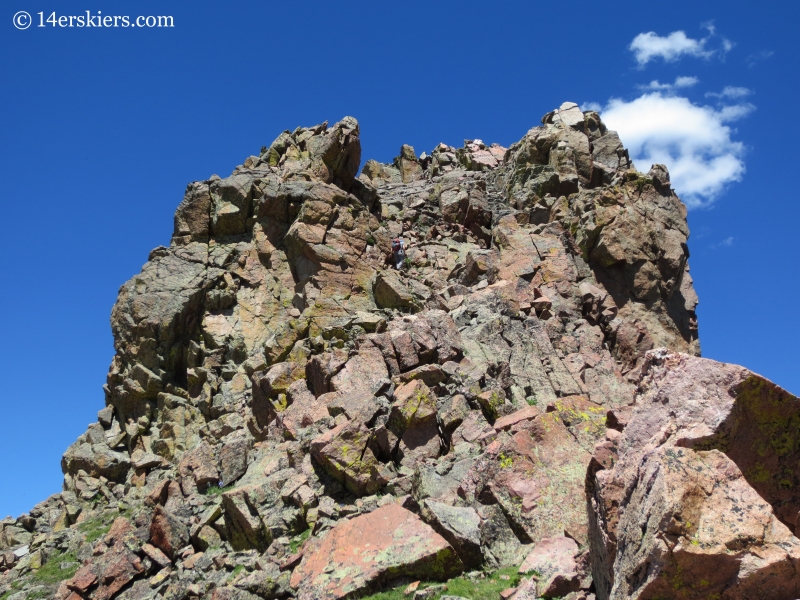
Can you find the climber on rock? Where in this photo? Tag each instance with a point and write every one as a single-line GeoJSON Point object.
{"type": "Point", "coordinates": [398, 252]}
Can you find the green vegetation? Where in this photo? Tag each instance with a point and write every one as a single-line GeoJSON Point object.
{"type": "Point", "coordinates": [490, 405]}
{"type": "Point", "coordinates": [532, 400]}
{"type": "Point", "coordinates": [52, 573]}
{"type": "Point", "coordinates": [371, 241]}
{"type": "Point", "coordinates": [488, 588]}
{"type": "Point", "coordinates": [505, 461]}
{"type": "Point", "coordinates": [95, 528]}
{"type": "Point", "coordinates": [299, 540]}
{"type": "Point", "coordinates": [593, 418]}
{"type": "Point", "coordinates": [214, 490]}
{"type": "Point", "coordinates": [237, 569]}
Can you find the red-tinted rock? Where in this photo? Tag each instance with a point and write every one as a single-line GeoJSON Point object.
{"type": "Point", "coordinates": [115, 569]}
{"type": "Point", "coordinates": [156, 555]}
{"type": "Point", "coordinates": [537, 476]}
{"type": "Point", "coordinates": [167, 493]}
{"type": "Point", "coordinates": [356, 555]}
{"type": "Point", "coordinates": [168, 532]}
{"type": "Point", "coordinates": [198, 469]}
{"type": "Point", "coordinates": [83, 580]}
{"type": "Point", "coordinates": [525, 414]}
{"type": "Point", "coordinates": [701, 500]}
{"type": "Point", "coordinates": [304, 411]}
{"type": "Point", "coordinates": [556, 564]}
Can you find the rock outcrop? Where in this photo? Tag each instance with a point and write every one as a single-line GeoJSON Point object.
{"type": "Point", "coordinates": [289, 415]}
{"type": "Point", "coordinates": [701, 500]}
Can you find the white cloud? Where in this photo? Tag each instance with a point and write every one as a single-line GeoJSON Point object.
{"type": "Point", "coordinates": [726, 243]}
{"type": "Point", "coordinates": [757, 57]}
{"type": "Point", "coordinates": [595, 106]}
{"type": "Point", "coordinates": [730, 92]}
{"type": "Point", "coordinates": [735, 112]}
{"type": "Point", "coordinates": [656, 85]}
{"type": "Point", "coordinates": [693, 141]}
{"type": "Point", "coordinates": [680, 82]}
{"type": "Point", "coordinates": [648, 46]}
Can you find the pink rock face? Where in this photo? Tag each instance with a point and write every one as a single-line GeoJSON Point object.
{"type": "Point", "coordinates": [198, 469]}
{"type": "Point", "coordinates": [557, 565]}
{"type": "Point", "coordinates": [167, 493]}
{"type": "Point", "coordinates": [305, 410]}
{"type": "Point", "coordinates": [387, 543]}
{"type": "Point", "coordinates": [168, 532]}
{"type": "Point", "coordinates": [525, 414]}
{"type": "Point", "coordinates": [537, 476]}
{"type": "Point", "coordinates": [700, 502]}
{"type": "Point", "coordinates": [361, 372]}
{"type": "Point", "coordinates": [112, 570]}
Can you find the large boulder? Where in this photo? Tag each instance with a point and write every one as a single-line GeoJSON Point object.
{"type": "Point", "coordinates": [701, 501]}
{"type": "Point", "coordinates": [198, 469]}
{"type": "Point", "coordinates": [98, 460]}
{"type": "Point", "coordinates": [537, 477]}
{"type": "Point", "coordinates": [357, 555]}
{"type": "Point", "coordinates": [345, 452]}
{"type": "Point", "coordinates": [391, 292]}
{"type": "Point", "coordinates": [460, 526]}
{"type": "Point", "coordinates": [557, 564]}
{"type": "Point", "coordinates": [168, 532]}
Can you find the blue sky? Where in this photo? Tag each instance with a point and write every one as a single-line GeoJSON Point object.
{"type": "Point", "coordinates": [102, 128]}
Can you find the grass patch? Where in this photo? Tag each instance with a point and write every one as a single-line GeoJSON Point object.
{"type": "Point", "coordinates": [94, 529]}
{"type": "Point", "coordinates": [52, 573]}
{"type": "Point", "coordinates": [15, 585]}
{"type": "Point", "coordinates": [299, 540]}
{"type": "Point", "coordinates": [214, 490]}
{"type": "Point", "coordinates": [236, 570]}
{"type": "Point", "coordinates": [479, 589]}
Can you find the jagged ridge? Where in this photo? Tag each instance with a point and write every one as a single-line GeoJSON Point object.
{"type": "Point", "coordinates": [273, 350]}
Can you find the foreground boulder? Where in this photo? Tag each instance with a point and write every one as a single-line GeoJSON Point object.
{"type": "Point", "coordinates": [557, 565]}
{"type": "Point", "coordinates": [702, 502]}
{"type": "Point", "coordinates": [385, 544]}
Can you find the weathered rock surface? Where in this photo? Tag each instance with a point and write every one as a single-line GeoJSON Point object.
{"type": "Point", "coordinates": [289, 415]}
{"type": "Point", "coordinates": [557, 565]}
{"type": "Point", "coordinates": [700, 501]}
{"type": "Point", "coordinates": [387, 543]}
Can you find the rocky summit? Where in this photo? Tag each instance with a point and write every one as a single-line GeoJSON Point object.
{"type": "Point", "coordinates": [471, 368]}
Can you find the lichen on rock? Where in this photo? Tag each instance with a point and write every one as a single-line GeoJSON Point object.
{"type": "Point", "coordinates": [290, 415]}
